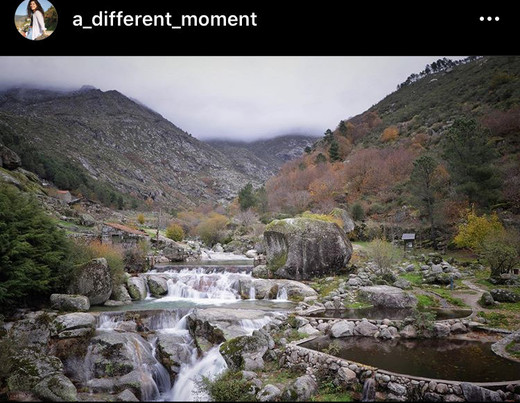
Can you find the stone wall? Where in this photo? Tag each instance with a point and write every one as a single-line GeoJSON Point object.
{"type": "Point", "coordinates": [397, 387]}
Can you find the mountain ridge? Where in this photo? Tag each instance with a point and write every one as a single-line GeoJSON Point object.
{"type": "Point", "coordinates": [124, 143]}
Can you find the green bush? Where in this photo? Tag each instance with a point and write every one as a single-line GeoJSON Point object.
{"type": "Point", "coordinates": [229, 386]}
{"type": "Point", "coordinates": [358, 213]}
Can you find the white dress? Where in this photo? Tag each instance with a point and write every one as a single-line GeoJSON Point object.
{"type": "Point", "coordinates": [38, 26]}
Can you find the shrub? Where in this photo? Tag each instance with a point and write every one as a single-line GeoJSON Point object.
{"type": "Point", "coordinates": [473, 232]}
{"type": "Point", "coordinates": [358, 213]}
{"type": "Point", "coordinates": [383, 253]}
{"type": "Point", "coordinates": [112, 253]}
{"type": "Point", "coordinates": [135, 258]}
{"type": "Point", "coordinates": [228, 386]}
{"type": "Point", "coordinates": [175, 232]}
{"type": "Point", "coordinates": [501, 252]}
{"type": "Point", "coordinates": [422, 321]}
{"type": "Point", "coordinates": [389, 134]}
{"type": "Point", "coordinates": [212, 229]}
{"type": "Point", "coordinates": [140, 218]}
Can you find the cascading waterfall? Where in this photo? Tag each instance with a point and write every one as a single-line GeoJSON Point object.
{"type": "Point", "coordinates": [198, 286]}
{"type": "Point", "coordinates": [186, 387]}
{"type": "Point", "coordinates": [281, 295]}
{"type": "Point", "coordinates": [152, 376]}
{"type": "Point", "coordinates": [250, 325]}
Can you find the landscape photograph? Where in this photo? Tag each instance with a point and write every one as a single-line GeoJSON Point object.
{"type": "Point", "coordinates": [260, 228]}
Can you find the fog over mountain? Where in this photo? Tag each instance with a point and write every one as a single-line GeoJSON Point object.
{"type": "Point", "coordinates": [240, 98]}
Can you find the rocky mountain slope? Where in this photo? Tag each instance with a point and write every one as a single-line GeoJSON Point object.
{"type": "Point", "coordinates": [109, 138]}
{"type": "Point", "coordinates": [265, 157]}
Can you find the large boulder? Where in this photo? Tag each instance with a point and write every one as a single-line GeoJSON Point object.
{"type": "Point", "coordinates": [137, 288]}
{"type": "Point", "coordinates": [346, 219]}
{"type": "Point", "coordinates": [246, 352]}
{"type": "Point", "coordinates": [41, 374]}
{"type": "Point", "coordinates": [76, 324]}
{"type": "Point", "coordinates": [67, 302]}
{"type": "Point", "coordinates": [212, 326]}
{"type": "Point", "coordinates": [303, 248]}
{"type": "Point", "coordinates": [93, 280]}
{"type": "Point", "coordinates": [173, 350]}
{"type": "Point", "coordinates": [158, 284]}
{"type": "Point", "coordinates": [388, 296]}
{"type": "Point", "coordinates": [300, 390]}
{"type": "Point", "coordinates": [9, 159]}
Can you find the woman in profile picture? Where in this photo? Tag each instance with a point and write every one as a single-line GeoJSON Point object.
{"type": "Point", "coordinates": [35, 13]}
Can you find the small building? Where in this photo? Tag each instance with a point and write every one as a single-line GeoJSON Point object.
{"type": "Point", "coordinates": [114, 233]}
{"type": "Point", "coordinates": [408, 240]}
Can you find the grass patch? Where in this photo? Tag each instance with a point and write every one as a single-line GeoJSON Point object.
{"type": "Point", "coordinates": [330, 392]}
{"type": "Point", "coordinates": [495, 319]}
{"type": "Point", "coordinates": [513, 307]}
{"type": "Point", "coordinates": [426, 301]}
{"type": "Point", "coordinates": [513, 349]}
{"type": "Point", "coordinates": [273, 374]}
{"type": "Point", "coordinates": [324, 287]}
{"type": "Point", "coordinates": [357, 305]}
{"type": "Point", "coordinates": [414, 278]}
{"type": "Point", "coordinates": [332, 397]}
{"type": "Point", "coordinates": [446, 294]}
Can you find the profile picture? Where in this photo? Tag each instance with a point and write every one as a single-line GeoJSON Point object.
{"type": "Point", "coordinates": [36, 19]}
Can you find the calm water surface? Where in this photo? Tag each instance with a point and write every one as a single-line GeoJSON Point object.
{"type": "Point", "coordinates": [460, 360]}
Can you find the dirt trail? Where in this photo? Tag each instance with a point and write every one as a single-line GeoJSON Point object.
{"type": "Point", "coordinates": [471, 299]}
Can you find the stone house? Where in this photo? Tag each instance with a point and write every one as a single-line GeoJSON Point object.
{"type": "Point", "coordinates": [114, 233]}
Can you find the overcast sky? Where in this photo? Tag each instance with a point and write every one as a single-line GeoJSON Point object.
{"type": "Point", "coordinates": [242, 98]}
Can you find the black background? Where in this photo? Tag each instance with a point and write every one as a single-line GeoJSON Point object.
{"type": "Point", "coordinates": [285, 28]}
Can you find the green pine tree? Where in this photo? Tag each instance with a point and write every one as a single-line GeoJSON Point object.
{"type": "Point", "coordinates": [334, 151]}
{"type": "Point", "coordinates": [246, 197]}
{"type": "Point", "coordinates": [470, 160]}
{"type": "Point", "coordinates": [35, 254]}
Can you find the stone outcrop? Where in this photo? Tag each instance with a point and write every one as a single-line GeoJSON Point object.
{"type": "Point", "coordinates": [304, 248]}
{"type": "Point", "coordinates": [247, 352]}
{"type": "Point", "coordinates": [388, 296]}
{"type": "Point", "coordinates": [77, 324]}
{"type": "Point", "coordinates": [214, 325]}
{"type": "Point", "coordinates": [137, 288]}
{"type": "Point", "coordinates": [94, 281]}
{"type": "Point", "coordinates": [9, 159]}
{"type": "Point", "coordinates": [172, 351]}
{"type": "Point", "coordinates": [67, 302]}
{"type": "Point", "coordinates": [158, 285]}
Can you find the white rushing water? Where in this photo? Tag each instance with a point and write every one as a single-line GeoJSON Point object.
{"type": "Point", "coordinates": [197, 286]}
{"type": "Point", "coordinates": [282, 294]}
{"type": "Point", "coordinates": [154, 378]}
{"type": "Point", "coordinates": [187, 385]}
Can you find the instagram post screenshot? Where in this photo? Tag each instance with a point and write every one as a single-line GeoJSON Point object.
{"type": "Point", "coordinates": [259, 201]}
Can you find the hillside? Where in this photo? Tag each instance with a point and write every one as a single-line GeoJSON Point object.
{"type": "Point", "coordinates": [367, 162]}
{"type": "Point", "coordinates": [109, 147]}
{"type": "Point", "coordinates": [264, 156]}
